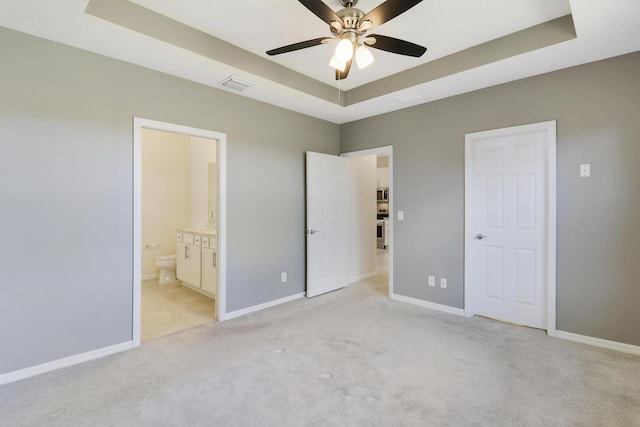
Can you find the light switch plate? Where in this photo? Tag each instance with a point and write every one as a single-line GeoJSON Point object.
{"type": "Point", "coordinates": [400, 215]}
{"type": "Point", "coordinates": [585, 170]}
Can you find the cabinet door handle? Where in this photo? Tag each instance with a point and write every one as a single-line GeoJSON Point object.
{"type": "Point", "coordinates": [186, 251]}
{"type": "Point", "coordinates": [215, 259]}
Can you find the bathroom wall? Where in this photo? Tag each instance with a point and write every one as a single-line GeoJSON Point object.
{"type": "Point", "coordinates": [165, 202]}
{"type": "Point", "coordinates": [175, 190]}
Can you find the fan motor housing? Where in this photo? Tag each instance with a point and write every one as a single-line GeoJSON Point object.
{"type": "Point", "coordinates": [350, 17]}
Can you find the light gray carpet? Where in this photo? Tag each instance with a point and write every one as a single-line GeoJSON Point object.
{"type": "Point", "coordinates": [349, 358]}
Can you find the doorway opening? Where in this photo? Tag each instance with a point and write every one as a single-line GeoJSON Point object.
{"type": "Point", "coordinates": [382, 278]}
{"type": "Point", "coordinates": [383, 222]}
{"type": "Point", "coordinates": [179, 221]}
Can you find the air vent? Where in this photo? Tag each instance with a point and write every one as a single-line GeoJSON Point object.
{"type": "Point", "coordinates": [235, 83]}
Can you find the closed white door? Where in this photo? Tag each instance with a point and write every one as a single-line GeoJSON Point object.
{"type": "Point", "coordinates": [326, 223]}
{"type": "Point", "coordinates": [509, 224]}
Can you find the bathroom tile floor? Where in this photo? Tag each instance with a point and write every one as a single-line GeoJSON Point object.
{"type": "Point", "coordinates": [171, 308]}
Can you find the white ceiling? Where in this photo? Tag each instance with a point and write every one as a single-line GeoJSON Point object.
{"type": "Point", "coordinates": [443, 26]}
{"type": "Point", "coordinates": [604, 29]}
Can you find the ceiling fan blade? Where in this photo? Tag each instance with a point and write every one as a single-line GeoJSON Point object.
{"type": "Point", "coordinates": [387, 11]}
{"type": "Point", "coordinates": [321, 10]}
{"type": "Point", "coordinates": [398, 46]}
{"type": "Point", "coordinates": [341, 75]}
{"type": "Point", "coordinates": [297, 46]}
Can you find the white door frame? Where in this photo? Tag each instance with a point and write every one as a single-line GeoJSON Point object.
{"type": "Point", "coordinates": [138, 125]}
{"type": "Point", "coordinates": [550, 208]}
{"type": "Point", "coordinates": [383, 151]}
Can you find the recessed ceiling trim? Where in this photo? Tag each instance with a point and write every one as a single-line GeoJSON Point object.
{"type": "Point", "coordinates": [152, 24]}
{"type": "Point", "coordinates": [539, 36]}
{"type": "Point", "coordinates": [160, 27]}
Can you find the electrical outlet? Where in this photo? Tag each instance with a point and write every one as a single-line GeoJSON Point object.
{"type": "Point", "coordinates": [283, 277]}
{"type": "Point", "coordinates": [443, 283]}
{"type": "Point", "coordinates": [585, 170]}
{"type": "Point", "coordinates": [432, 281]}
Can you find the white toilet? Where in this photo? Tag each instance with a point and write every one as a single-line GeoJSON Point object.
{"type": "Point", "coordinates": [167, 266]}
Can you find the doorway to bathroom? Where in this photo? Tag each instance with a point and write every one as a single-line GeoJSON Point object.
{"type": "Point", "coordinates": [179, 221]}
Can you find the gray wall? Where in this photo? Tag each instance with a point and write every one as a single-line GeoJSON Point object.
{"type": "Point", "coordinates": [66, 193]}
{"type": "Point", "coordinates": [597, 108]}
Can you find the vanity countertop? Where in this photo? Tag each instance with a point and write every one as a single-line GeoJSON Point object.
{"type": "Point", "coordinates": [207, 231]}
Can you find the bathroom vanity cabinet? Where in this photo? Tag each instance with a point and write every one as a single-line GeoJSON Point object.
{"type": "Point", "coordinates": [188, 264]}
{"type": "Point", "coordinates": [209, 270]}
{"type": "Point", "coordinates": [197, 259]}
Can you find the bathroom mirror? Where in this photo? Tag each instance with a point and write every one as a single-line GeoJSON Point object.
{"type": "Point", "coordinates": [213, 195]}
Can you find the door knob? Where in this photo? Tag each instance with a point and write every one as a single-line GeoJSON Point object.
{"type": "Point", "coordinates": [312, 231]}
{"type": "Point", "coordinates": [480, 236]}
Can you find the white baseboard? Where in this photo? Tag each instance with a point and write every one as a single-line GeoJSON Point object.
{"type": "Point", "coordinates": [362, 276]}
{"type": "Point", "coordinates": [427, 304]}
{"type": "Point", "coordinates": [598, 342]}
{"type": "Point", "coordinates": [150, 276]}
{"type": "Point", "coordinates": [248, 310]}
{"type": "Point", "coordinates": [63, 363]}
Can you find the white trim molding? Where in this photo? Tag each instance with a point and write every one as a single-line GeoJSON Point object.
{"type": "Point", "coordinates": [428, 304]}
{"type": "Point", "coordinates": [63, 363]}
{"type": "Point", "coordinates": [597, 342]}
{"type": "Point", "coordinates": [549, 128]}
{"type": "Point", "coordinates": [248, 310]}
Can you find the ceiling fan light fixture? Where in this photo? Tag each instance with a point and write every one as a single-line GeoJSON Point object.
{"type": "Point", "coordinates": [365, 26]}
{"type": "Point", "coordinates": [349, 27]}
{"type": "Point", "coordinates": [364, 57]}
{"type": "Point", "coordinates": [338, 64]}
{"type": "Point", "coordinates": [344, 50]}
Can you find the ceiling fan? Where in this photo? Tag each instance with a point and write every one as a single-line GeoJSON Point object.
{"type": "Point", "coordinates": [349, 28]}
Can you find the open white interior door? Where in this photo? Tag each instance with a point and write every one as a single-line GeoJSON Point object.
{"type": "Point", "coordinates": [327, 179]}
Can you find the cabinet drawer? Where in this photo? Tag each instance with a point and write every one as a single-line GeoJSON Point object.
{"type": "Point", "coordinates": [205, 241]}
{"type": "Point", "coordinates": [197, 240]}
{"type": "Point", "coordinates": [187, 238]}
{"type": "Point", "coordinates": [179, 237]}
